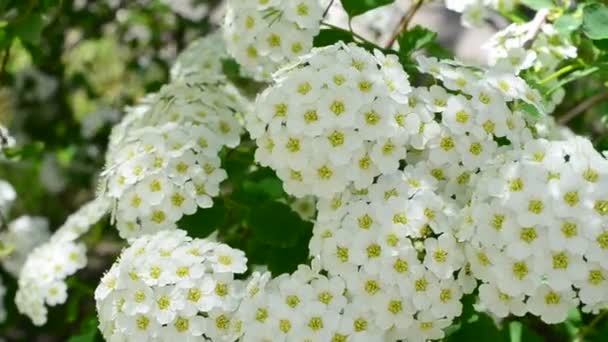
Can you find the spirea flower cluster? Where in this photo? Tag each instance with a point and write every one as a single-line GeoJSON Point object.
{"type": "Point", "coordinates": [170, 287]}
{"type": "Point", "coordinates": [263, 35]}
{"type": "Point", "coordinates": [515, 49]}
{"type": "Point", "coordinates": [393, 245]}
{"type": "Point", "coordinates": [508, 48]}
{"type": "Point", "coordinates": [20, 238]}
{"type": "Point", "coordinates": [343, 116]}
{"type": "Point", "coordinates": [42, 278]}
{"type": "Point", "coordinates": [163, 158]}
{"type": "Point", "coordinates": [538, 231]}
{"type": "Point", "coordinates": [202, 60]}
{"type": "Point", "coordinates": [333, 119]}
{"type": "Point", "coordinates": [474, 110]}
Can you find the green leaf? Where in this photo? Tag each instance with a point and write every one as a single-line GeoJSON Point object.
{"type": "Point", "coordinates": [538, 4]}
{"type": "Point", "coordinates": [358, 7]}
{"type": "Point", "coordinates": [88, 331]}
{"type": "Point", "coordinates": [29, 29]}
{"type": "Point", "coordinates": [414, 39]}
{"type": "Point", "coordinates": [271, 187]}
{"type": "Point", "coordinates": [568, 23]}
{"type": "Point", "coordinates": [204, 221]}
{"type": "Point", "coordinates": [530, 109]}
{"type": "Point", "coordinates": [331, 36]}
{"type": "Point", "coordinates": [275, 224]}
{"type": "Point", "coordinates": [595, 21]}
{"type": "Point", "coordinates": [479, 328]}
{"type": "Point", "coordinates": [25, 152]}
{"type": "Point", "coordinates": [518, 332]}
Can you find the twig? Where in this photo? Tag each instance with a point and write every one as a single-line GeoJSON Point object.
{"type": "Point", "coordinates": [405, 20]}
{"type": "Point", "coordinates": [586, 330]}
{"type": "Point", "coordinates": [536, 24]}
{"type": "Point", "coordinates": [354, 34]}
{"type": "Point", "coordinates": [583, 107]}
{"type": "Point", "coordinates": [328, 8]}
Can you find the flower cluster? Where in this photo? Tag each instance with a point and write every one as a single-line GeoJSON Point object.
{"type": "Point", "coordinates": [21, 237]}
{"type": "Point", "coordinates": [515, 49]}
{"type": "Point", "coordinates": [165, 162]}
{"type": "Point", "coordinates": [202, 59]}
{"type": "Point", "coordinates": [393, 244]}
{"type": "Point", "coordinates": [474, 12]}
{"type": "Point", "coordinates": [42, 278]}
{"type": "Point", "coordinates": [163, 158]}
{"type": "Point", "coordinates": [263, 35]}
{"type": "Point", "coordinates": [507, 48]}
{"type": "Point", "coordinates": [538, 231]}
{"type": "Point", "coordinates": [169, 287]}
{"type": "Point", "coordinates": [476, 109]}
{"type": "Point", "coordinates": [334, 119]}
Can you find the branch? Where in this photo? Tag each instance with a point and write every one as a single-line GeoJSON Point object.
{"type": "Point", "coordinates": [355, 35]}
{"type": "Point", "coordinates": [583, 107]}
{"type": "Point", "coordinates": [586, 330]}
{"type": "Point", "coordinates": [536, 24]}
{"type": "Point", "coordinates": [405, 20]}
{"type": "Point", "coordinates": [328, 8]}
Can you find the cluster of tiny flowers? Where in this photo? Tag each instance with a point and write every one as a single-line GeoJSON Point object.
{"type": "Point", "coordinates": [42, 278]}
{"type": "Point", "coordinates": [20, 238]}
{"type": "Point", "coordinates": [475, 12]}
{"type": "Point", "coordinates": [465, 114]}
{"type": "Point", "coordinates": [507, 48]}
{"type": "Point", "coordinates": [202, 59]}
{"type": "Point", "coordinates": [392, 244]}
{"type": "Point", "coordinates": [163, 159]}
{"type": "Point", "coordinates": [537, 231]}
{"type": "Point", "coordinates": [263, 35]}
{"type": "Point", "coordinates": [333, 119]}
{"type": "Point", "coordinates": [514, 49]}
{"type": "Point", "coordinates": [170, 287]}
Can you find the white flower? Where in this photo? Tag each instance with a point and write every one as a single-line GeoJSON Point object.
{"type": "Point", "coordinates": [163, 284]}
{"type": "Point", "coordinates": [42, 277]}
{"type": "Point", "coordinates": [311, 136]}
{"type": "Point", "coordinates": [538, 230]}
{"type": "Point", "coordinates": [22, 236]}
{"type": "Point", "coordinates": [263, 37]}
{"type": "Point", "coordinates": [162, 160]}
{"type": "Point", "coordinates": [552, 306]}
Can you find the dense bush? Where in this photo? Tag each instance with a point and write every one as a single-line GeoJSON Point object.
{"type": "Point", "coordinates": [302, 170]}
